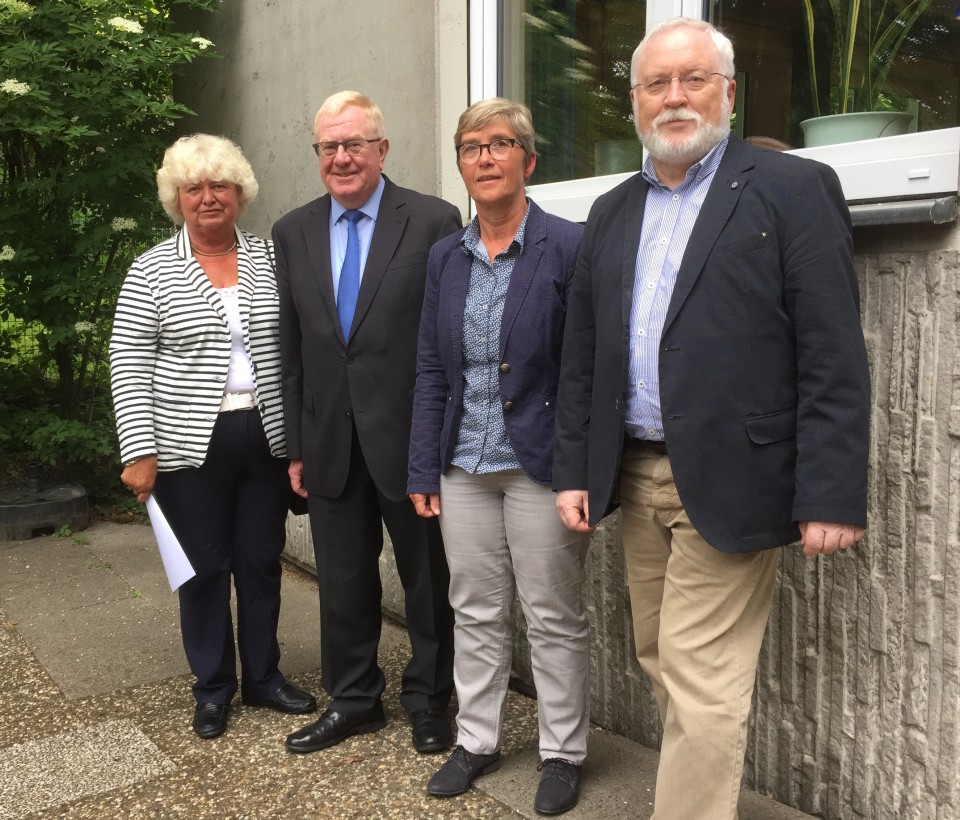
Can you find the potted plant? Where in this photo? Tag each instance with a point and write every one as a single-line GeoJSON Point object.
{"type": "Point", "coordinates": [867, 37]}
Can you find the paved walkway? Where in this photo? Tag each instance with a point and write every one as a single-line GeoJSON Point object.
{"type": "Point", "coordinates": [95, 711]}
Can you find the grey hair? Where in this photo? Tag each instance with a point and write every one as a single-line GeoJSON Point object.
{"type": "Point", "coordinates": [721, 42]}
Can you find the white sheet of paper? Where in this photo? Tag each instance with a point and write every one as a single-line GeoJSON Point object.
{"type": "Point", "coordinates": [175, 561]}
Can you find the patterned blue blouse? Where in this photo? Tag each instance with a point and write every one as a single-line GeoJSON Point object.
{"type": "Point", "coordinates": [483, 446]}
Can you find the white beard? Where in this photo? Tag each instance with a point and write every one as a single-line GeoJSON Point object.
{"type": "Point", "coordinates": [690, 149]}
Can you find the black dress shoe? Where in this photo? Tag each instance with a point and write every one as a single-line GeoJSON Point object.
{"type": "Point", "coordinates": [332, 727]}
{"type": "Point", "coordinates": [286, 698]}
{"type": "Point", "coordinates": [559, 787]}
{"type": "Point", "coordinates": [431, 731]}
{"type": "Point", "coordinates": [210, 719]}
{"type": "Point", "coordinates": [461, 769]}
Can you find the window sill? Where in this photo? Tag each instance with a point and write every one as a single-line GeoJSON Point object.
{"type": "Point", "coordinates": [936, 211]}
{"type": "Point", "coordinates": [880, 179]}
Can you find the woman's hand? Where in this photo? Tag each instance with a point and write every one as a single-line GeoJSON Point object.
{"type": "Point", "coordinates": [427, 505]}
{"type": "Point", "coordinates": [140, 477]}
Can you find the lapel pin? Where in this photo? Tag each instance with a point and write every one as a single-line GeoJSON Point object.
{"type": "Point", "coordinates": [734, 184]}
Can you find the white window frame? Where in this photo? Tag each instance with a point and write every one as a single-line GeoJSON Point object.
{"type": "Point", "coordinates": [917, 166]}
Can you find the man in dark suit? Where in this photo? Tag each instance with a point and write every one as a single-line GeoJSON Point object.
{"type": "Point", "coordinates": [714, 381]}
{"type": "Point", "coordinates": [350, 270]}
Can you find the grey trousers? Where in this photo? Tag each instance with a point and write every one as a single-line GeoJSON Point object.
{"type": "Point", "coordinates": [501, 532]}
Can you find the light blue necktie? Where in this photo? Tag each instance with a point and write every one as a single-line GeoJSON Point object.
{"type": "Point", "coordinates": [349, 287]}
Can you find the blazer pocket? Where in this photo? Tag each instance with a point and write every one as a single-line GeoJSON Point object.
{"type": "Point", "coordinates": [409, 260]}
{"type": "Point", "coordinates": [760, 239]}
{"type": "Point", "coordinates": [768, 428]}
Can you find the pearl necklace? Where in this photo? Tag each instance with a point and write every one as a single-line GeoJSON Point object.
{"type": "Point", "coordinates": [231, 249]}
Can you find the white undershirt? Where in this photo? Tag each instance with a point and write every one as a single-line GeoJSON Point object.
{"type": "Point", "coordinates": [240, 373]}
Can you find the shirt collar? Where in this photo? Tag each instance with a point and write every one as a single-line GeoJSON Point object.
{"type": "Point", "coordinates": [470, 242]}
{"type": "Point", "coordinates": [369, 208]}
{"type": "Point", "coordinates": [706, 167]}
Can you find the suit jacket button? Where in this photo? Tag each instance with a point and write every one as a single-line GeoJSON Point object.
{"type": "Point", "coordinates": [348, 359]}
{"type": "Point", "coordinates": [504, 368]}
{"type": "Point", "coordinates": [348, 414]}
{"type": "Point", "coordinates": [507, 405]}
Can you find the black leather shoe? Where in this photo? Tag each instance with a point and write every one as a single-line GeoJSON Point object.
{"type": "Point", "coordinates": [461, 769]}
{"type": "Point", "coordinates": [559, 787]}
{"type": "Point", "coordinates": [286, 698]}
{"type": "Point", "coordinates": [431, 731]}
{"type": "Point", "coordinates": [332, 727]}
{"type": "Point", "coordinates": [210, 719]}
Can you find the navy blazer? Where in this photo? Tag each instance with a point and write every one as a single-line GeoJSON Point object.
{"type": "Point", "coordinates": [764, 386]}
{"type": "Point", "coordinates": [531, 338]}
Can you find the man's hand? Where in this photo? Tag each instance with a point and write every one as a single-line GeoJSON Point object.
{"type": "Point", "coordinates": [574, 509]}
{"type": "Point", "coordinates": [823, 538]}
{"type": "Point", "coordinates": [427, 505]}
{"type": "Point", "coordinates": [295, 471]}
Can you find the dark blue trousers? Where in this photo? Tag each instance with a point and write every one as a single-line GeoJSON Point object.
{"type": "Point", "coordinates": [229, 516]}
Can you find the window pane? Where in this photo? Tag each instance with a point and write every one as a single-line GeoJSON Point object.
{"type": "Point", "coordinates": [569, 61]}
{"type": "Point", "coordinates": [915, 66]}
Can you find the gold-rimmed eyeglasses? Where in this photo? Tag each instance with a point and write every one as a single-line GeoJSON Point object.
{"type": "Point", "coordinates": [352, 147]}
{"type": "Point", "coordinates": [693, 82]}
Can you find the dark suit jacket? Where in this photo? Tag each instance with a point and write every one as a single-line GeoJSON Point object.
{"type": "Point", "coordinates": [531, 336]}
{"type": "Point", "coordinates": [329, 385]}
{"type": "Point", "coordinates": [764, 386]}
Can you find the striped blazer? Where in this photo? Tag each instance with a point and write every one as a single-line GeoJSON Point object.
{"type": "Point", "coordinates": [170, 351]}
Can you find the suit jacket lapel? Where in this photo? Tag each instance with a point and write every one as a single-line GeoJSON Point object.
{"type": "Point", "coordinates": [632, 226]}
{"type": "Point", "coordinates": [391, 221]}
{"type": "Point", "coordinates": [194, 274]}
{"type": "Point", "coordinates": [246, 280]}
{"type": "Point", "coordinates": [523, 271]}
{"type": "Point", "coordinates": [316, 235]}
{"type": "Point", "coordinates": [728, 184]}
{"type": "Point", "coordinates": [456, 275]}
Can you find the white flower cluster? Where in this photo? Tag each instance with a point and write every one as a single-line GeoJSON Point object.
{"type": "Point", "coordinates": [126, 25]}
{"type": "Point", "coordinates": [16, 7]}
{"type": "Point", "coordinates": [123, 223]}
{"type": "Point", "coordinates": [7, 253]}
{"type": "Point", "coordinates": [83, 327]}
{"type": "Point", "coordinates": [201, 42]}
{"type": "Point", "coordinates": [14, 87]}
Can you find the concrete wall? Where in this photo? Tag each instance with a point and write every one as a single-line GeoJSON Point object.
{"type": "Point", "coordinates": [856, 712]}
{"type": "Point", "coordinates": [281, 60]}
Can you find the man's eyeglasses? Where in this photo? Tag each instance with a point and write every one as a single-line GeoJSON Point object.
{"type": "Point", "coordinates": [469, 152]}
{"type": "Point", "coordinates": [352, 147]}
{"type": "Point", "coordinates": [689, 82]}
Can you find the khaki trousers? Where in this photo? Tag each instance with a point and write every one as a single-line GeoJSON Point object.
{"type": "Point", "coordinates": [699, 616]}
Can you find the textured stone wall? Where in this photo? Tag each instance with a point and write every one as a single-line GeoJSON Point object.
{"type": "Point", "coordinates": [858, 692]}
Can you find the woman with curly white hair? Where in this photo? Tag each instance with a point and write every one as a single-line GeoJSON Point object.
{"type": "Point", "coordinates": [195, 372]}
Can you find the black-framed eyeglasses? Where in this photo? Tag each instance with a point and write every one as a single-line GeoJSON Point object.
{"type": "Point", "coordinates": [693, 82]}
{"type": "Point", "coordinates": [469, 152]}
{"type": "Point", "coordinates": [352, 147]}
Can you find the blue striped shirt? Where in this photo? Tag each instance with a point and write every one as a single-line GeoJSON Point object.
{"type": "Point", "coordinates": [668, 220]}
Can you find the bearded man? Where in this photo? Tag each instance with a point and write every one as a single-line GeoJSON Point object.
{"type": "Point", "coordinates": [714, 381]}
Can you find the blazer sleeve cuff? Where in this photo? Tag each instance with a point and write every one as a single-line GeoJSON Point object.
{"type": "Point", "coordinates": [853, 516]}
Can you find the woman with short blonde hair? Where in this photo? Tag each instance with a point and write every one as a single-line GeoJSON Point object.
{"type": "Point", "coordinates": [195, 374]}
